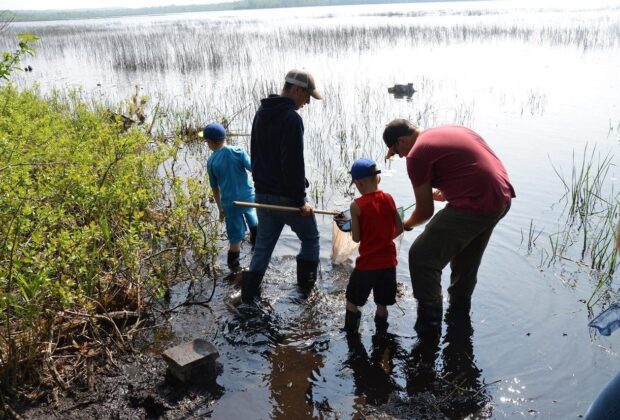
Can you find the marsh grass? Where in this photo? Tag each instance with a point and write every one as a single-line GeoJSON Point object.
{"type": "Point", "coordinates": [592, 208]}
{"type": "Point", "coordinates": [532, 236]}
{"type": "Point", "coordinates": [217, 44]}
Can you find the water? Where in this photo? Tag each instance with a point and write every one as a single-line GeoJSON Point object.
{"type": "Point", "coordinates": [538, 83]}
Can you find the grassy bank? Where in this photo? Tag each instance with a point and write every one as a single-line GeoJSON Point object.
{"type": "Point", "coordinates": [90, 235]}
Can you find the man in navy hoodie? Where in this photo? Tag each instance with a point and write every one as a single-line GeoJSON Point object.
{"type": "Point", "coordinates": [277, 154]}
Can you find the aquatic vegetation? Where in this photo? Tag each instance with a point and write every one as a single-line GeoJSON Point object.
{"type": "Point", "coordinates": [592, 210]}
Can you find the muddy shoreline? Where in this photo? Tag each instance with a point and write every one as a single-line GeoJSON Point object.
{"type": "Point", "coordinates": [284, 358]}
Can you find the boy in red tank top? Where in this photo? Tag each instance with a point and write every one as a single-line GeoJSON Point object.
{"type": "Point", "coordinates": [375, 223]}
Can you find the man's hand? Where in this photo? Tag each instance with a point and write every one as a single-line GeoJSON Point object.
{"type": "Point", "coordinates": [306, 210]}
{"type": "Point", "coordinates": [408, 225]}
{"type": "Point", "coordinates": [438, 196]}
{"type": "Point", "coordinates": [389, 153]}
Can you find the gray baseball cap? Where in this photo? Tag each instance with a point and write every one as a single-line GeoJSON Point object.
{"type": "Point", "coordinates": [304, 79]}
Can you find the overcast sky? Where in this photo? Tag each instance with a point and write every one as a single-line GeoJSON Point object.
{"type": "Point", "coordinates": [91, 4]}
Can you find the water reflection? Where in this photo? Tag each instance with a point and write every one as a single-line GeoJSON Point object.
{"type": "Point", "coordinates": [456, 386]}
{"type": "Point", "coordinates": [291, 341]}
{"type": "Point", "coordinates": [372, 376]}
{"type": "Point", "coordinates": [291, 377]}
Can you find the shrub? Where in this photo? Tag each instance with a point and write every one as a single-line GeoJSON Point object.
{"type": "Point", "coordinates": [87, 232]}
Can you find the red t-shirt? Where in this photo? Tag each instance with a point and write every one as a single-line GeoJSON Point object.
{"type": "Point", "coordinates": [377, 249]}
{"type": "Point", "coordinates": [458, 162]}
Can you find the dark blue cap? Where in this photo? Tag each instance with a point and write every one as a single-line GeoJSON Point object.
{"type": "Point", "coordinates": [214, 131]}
{"type": "Point", "coordinates": [363, 168]}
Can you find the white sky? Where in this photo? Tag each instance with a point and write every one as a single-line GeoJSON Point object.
{"type": "Point", "coordinates": [92, 4]}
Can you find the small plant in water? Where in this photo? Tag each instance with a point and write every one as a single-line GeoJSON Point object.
{"type": "Point", "coordinates": [592, 209]}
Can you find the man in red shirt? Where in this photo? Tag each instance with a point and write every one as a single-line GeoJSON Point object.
{"type": "Point", "coordinates": [453, 164]}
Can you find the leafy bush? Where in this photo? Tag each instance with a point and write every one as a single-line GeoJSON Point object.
{"type": "Point", "coordinates": [84, 231]}
{"type": "Point", "coordinates": [10, 61]}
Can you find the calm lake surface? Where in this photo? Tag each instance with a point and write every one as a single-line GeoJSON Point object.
{"type": "Point", "coordinates": [539, 83]}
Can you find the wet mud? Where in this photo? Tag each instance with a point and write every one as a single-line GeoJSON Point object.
{"type": "Point", "coordinates": [286, 357]}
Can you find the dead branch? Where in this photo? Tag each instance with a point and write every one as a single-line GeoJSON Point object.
{"type": "Point", "coordinates": [52, 368]}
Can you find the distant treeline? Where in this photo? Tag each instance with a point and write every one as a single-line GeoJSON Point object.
{"type": "Point", "coordinates": [35, 15]}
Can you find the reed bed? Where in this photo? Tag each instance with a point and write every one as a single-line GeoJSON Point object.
{"type": "Point", "coordinates": [193, 46]}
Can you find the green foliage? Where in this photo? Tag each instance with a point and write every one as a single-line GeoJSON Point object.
{"type": "Point", "coordinates": [10, 61]}
{"type": "Point", "coordinates": [86, 223]}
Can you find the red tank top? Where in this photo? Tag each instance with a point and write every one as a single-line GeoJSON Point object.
{"type": "Point", "coordinates": [377, 248]}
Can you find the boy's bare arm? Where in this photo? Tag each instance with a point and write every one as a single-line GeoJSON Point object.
{"type": "Point", "coordinates": [398, 225]}
{"type": "Point", "coordinates": [355, 222]}
{"type": "Point", "coordinates": [218, 201]}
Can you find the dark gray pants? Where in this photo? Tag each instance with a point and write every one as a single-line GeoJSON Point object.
{"type": "Point", "coordinates": [454, 237]}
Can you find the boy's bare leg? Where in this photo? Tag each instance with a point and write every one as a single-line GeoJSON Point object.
{"type": "Point", "coordinates": [351, 307]}
{"type": "Point", "coordinates": [381, 316]}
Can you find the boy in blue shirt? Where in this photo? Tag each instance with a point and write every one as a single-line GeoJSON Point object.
{"type": "Point", "coordinates": [229, 181]}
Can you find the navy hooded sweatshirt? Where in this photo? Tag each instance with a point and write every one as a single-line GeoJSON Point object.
{"type": "Point", "coordinates": [277, 149]}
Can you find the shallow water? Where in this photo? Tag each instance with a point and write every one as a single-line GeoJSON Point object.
{"type": "Point", "coordinates": [539, 84]}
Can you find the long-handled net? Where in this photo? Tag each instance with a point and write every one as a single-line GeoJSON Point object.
{"type": "Point", "coordinates": [401, 212]}
{"type": "Point", "coordinates": [343, 245]}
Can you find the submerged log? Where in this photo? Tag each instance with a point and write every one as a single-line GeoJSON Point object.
{"type": "Point", "coordinates": [406, 90]}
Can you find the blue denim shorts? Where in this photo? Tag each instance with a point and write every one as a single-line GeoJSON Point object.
{"type": "Point", "coordinates": [236, 220]}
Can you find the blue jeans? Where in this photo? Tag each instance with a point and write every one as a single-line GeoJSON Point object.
{"type": "Point", "coordinates": [270, 225]}
{"type": "Point", "coordinates": [607, 403]}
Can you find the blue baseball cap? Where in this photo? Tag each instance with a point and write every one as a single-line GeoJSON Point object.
{"type": "Point", "coordinates": [363, 168]}
{"type": "Point", "coordinates": [214, 131]}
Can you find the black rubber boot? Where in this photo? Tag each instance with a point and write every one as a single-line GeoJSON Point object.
{"type": "Point", "coordinates": [381, 324]}
{"type": "Point", "coordinates": [460, 305]}
{"type": "Point", "coordinates": [352, 322]}
{"type": "Point", "coordinates": [306, 273]}
{"type": "Point", "coordinates": [253, 233]}
{"type": "Point", "coordinates": [233, 261]}
{"type": "Point", "coordinates": [250, 286]}
{"type": "Point", "coordinates": [428, 323]}
{"type": "Point", "coordinates": [458, 320]}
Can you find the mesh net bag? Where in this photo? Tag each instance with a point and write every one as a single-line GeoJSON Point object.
{"type": "Point", "coordinates": [343, 245]}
